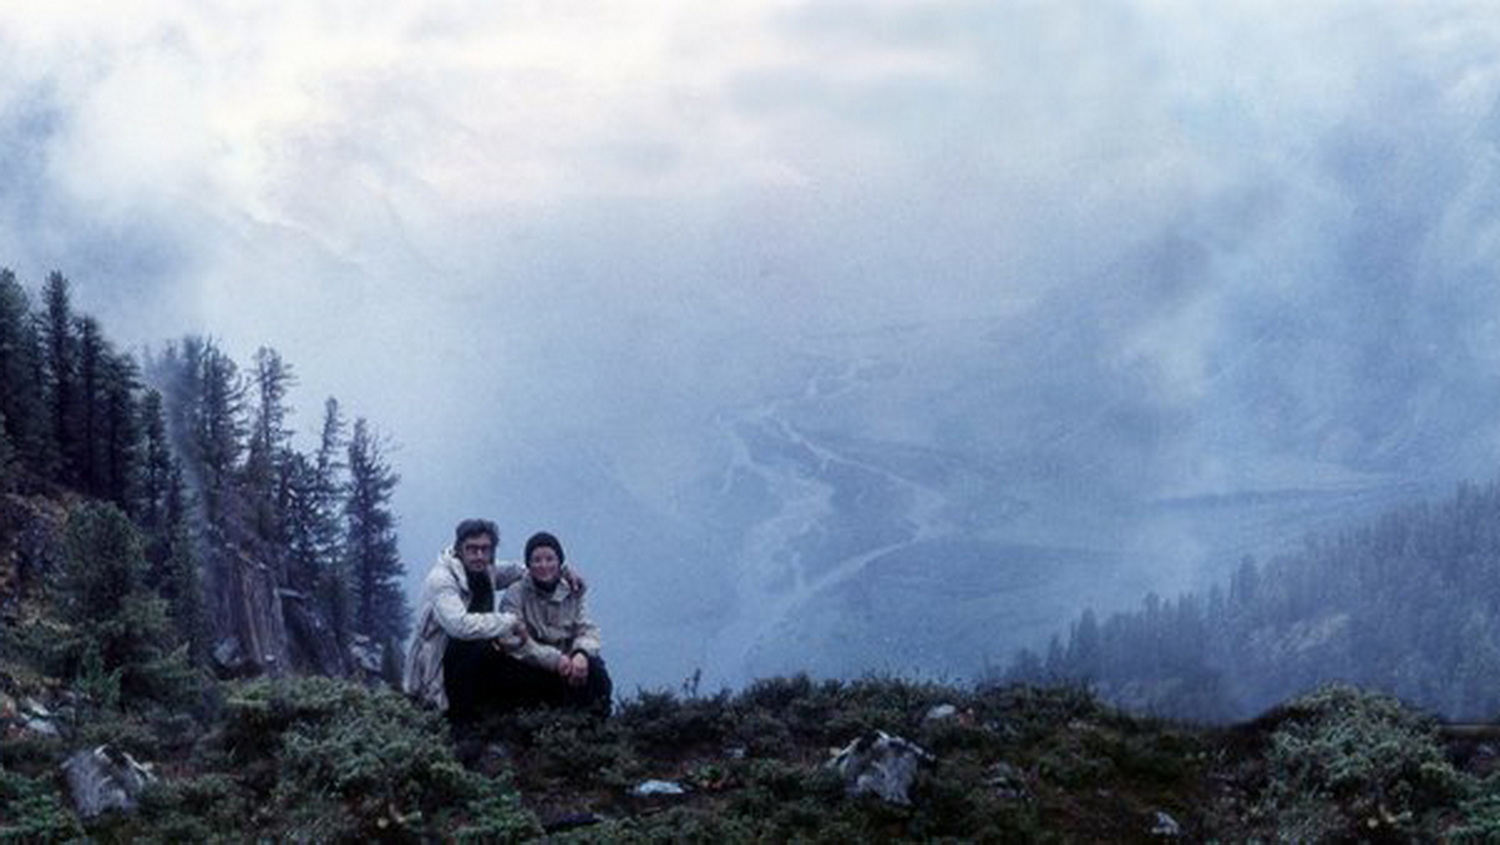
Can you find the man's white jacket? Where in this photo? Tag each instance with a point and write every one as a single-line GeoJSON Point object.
{"type": "Point", "coordinates": [445, 615]}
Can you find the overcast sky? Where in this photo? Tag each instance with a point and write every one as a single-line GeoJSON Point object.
{"type": "Point", "coordinates": [483, 223]}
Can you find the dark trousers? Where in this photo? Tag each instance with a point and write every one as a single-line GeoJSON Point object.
{"type": "Point", "coordinates": [524, 685]}
{"type": "Point", "coordinates": [480, 680]}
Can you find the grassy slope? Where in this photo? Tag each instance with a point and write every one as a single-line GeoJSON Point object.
{"type": "Point", "coordinates": [324, 760]}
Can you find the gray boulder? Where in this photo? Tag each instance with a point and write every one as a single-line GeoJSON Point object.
{"type": "Point", "coordinates": [880, 764]}
{"type": "Point", "coordinates": [105, 779]}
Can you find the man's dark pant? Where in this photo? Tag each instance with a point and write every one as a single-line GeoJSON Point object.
{"type": "Point", "coordinates": [524, 685]}
{"type": "Point", "coordinates": [480, 679]}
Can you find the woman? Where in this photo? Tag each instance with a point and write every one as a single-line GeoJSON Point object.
{"type": "Point", "coordinates": [558, 661]}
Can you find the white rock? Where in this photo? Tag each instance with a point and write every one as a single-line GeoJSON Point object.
{"type": "Point", "coordinates": [41, 726]}
{"type": "Point", "coordinates": [941, 711]}
{"type": "Point", "coordinates": [659, 787]}
{"type": "Point", "coordinates": [105, 779]}
{"type": "Point", "coordinates": [1166, 826]}
{"type": "Point", "coordinates": [880, 764]}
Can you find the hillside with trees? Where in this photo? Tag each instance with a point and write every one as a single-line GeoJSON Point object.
{"type": "Point", "coordinates": [1407, 605]}
{"type": "Point", "coordinates": [269, 560]}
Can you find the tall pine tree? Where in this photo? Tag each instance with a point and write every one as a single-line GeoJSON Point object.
{"type": "Point", "coordinates": [315, 526]}
{"type": "Point", "coordinates": [21, 383]}
{"type": "Point", "coordinates": [119, 414]}
{"type": "Point", "coordinates": [380, 610]}
{"type": "Point", "coordinates": [7, 459]}
{"type": "Point", "coordinates": [266, 474]}
{"type": "Point", "coordinates": [60, 378]}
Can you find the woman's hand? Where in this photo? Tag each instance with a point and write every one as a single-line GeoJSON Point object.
{"type": "Point", "coordinates": [580, 674]}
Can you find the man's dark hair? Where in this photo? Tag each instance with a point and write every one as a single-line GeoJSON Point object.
{"type": "Point", "coordinates": [473, 528]}
{"type": "Point", "coordinates": [542, 538]}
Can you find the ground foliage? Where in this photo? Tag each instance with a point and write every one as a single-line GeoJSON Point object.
{"type": "Point", "coordinates": [317, 759]}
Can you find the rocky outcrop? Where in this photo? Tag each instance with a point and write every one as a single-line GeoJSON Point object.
{"type": "Point", "coordinates": [880, 764]}
{"type": "Point", "coordinates": [104, 779]}
{"type": "Point", "coordinates": [251, 613]}
{"type": "Point", "coordinates": [311, 643]}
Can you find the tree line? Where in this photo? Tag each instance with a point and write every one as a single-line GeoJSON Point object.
{"type": "Point", "coordinates": [1409, 604]}
{"type": "Point", "coordinates": [268, 559]}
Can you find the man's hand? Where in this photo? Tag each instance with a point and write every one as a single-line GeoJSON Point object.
{"type": "Point", "coordinates": [575, 581]}
{"type": "Point", "coordinates": [518, 631]}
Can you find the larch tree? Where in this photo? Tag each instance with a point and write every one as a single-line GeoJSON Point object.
{"type": "Point", "coordinates": [374, 563]}
{"type": "Point", "coordinates": [119, 411]}
{"type": "Point", "coordinates": [269, 449]}
{"type": "Point", "coordinates": [60, 373]}
{"type": "Point", "coordinates": [21, 383]}
{"type": "Point", "coordinates": [315, 527]}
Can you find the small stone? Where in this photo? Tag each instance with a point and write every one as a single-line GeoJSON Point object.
{"type": "Point", "coordinates": [41, 726]}
{"type": "Point", "coordinates": [1008, 782]}
{"type": "Point", "coordinates": [941, 711]}
{"type": "Point", "coordinates": [1166, 826]}
{"type": "Point", "coordinates": [659, 787]}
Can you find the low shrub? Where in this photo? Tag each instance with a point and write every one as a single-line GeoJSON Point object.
{"type": "Point", "coordinates": [336, 760]}
{"type": "Point", "coordinates": [34, 811]}
{"type": "Point", "coordinates": [1343, 763]}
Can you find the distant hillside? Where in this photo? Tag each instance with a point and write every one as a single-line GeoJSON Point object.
{"type": "Point", "coordinates": [1409, 604]}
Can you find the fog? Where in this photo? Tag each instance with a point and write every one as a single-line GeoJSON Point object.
{"type": "Point", "coordinates": [851, 337]}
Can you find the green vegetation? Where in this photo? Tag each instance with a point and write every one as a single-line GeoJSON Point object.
{"type": "Point", "coordinates": [317, 759]}
{"type": "Point", "coordinates": [1341, 763]}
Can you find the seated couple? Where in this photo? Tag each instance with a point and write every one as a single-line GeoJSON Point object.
{"type": "Point", "coordinates": [494, 637]}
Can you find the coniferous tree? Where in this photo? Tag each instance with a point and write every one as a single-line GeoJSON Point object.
{"type": "Point", "coordinates": [380, 610]}
{"type": "Point", "coordinates": [163, 514]}
{"type": "Point", "coordinates": [7, 459]}
{"type": "Point", "coordinates": [332, 583]}
{"type": "Point", "coordinates": [203, 400]}
{"type": "Point", "coordinates": [60, 385]}
{"type": "Point", "coordinates": [157, 469]}
{"type": "Point", "coordinates": [20, 382]}
{"type": "Point", "coordinates": [120, 632]}
{"type": "Point", "coordinates": [314, 528]}
{"type": "Point", "coordinates": [121, 431]}
{"type": "Point", "coordinates": [219, 432]}
{"type": "Point", "coordinates": [269, 449]}
{"type": "Point", "coordinates": [90, 450]}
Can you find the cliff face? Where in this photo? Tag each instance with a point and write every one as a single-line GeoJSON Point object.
{"type": "Point", "coordinates": [249, 627]}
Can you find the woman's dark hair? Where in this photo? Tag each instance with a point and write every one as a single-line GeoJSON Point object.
{"type": "Point", "coordinates": [542, 538]}
{"type": "Point", "coordinates": [473, 528]}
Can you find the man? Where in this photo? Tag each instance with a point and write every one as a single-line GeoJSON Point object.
{"type": "Point", "coordinates": [460, 632]}
{"type": "Point", "coordinates": [557, 662]}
